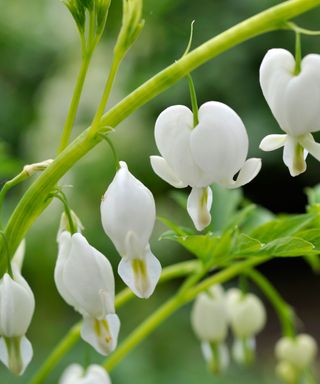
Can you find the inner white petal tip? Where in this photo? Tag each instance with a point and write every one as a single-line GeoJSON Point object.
{"type": "Point", "coordinates": [199, 206]}
{"type": "Point", "coordinates": [141, 275]}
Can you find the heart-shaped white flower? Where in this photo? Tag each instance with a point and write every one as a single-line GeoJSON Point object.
{"type": "Point", "coordinates": [300, 351]}
{"type": "Point", "coordinates": [294, 100]}
{"type": "Point", "coordinates": [212, 152]}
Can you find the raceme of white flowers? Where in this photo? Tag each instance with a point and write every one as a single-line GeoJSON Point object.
{"type": "Point", "coordinates": [16, 311]}
{"type": "Point", "coordinates": [214, 311]}
{"type": "Point", "coordinates": [84, 278]}
{"type": "Point", "coordinates": [94, 374]}
{"type": "Point", "coordinates": [128, 215]}
{"type": "Point", "coordinates": [212, 152]}
{"type": "Point", "coordinates": [295, 355]}
{"type": "Point", "coordinates": [294, 100]}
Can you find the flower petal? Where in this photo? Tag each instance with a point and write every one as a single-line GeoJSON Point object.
{"type": "Point", "coordinates": [219, 143]}
{"type": "Point", "coordinates": [199, 205]}
{"type": "Point", "coordinates": [293, 99]}
{"type": "Point", "coordinates": [84, 278]}
{"type": "Point", "coordinates": [163, 170]}
{"type": "Point", "coordinates": [16, 353]}
{"type": "Point", "coordinates": [141, 275]}
{"type": "Point", "coordinates": [71, 374]}
{"type": "Point", "coordinates": [172, 134]}
{"type": "Point", "coordinates": [102, 334]}
{"type": "Point", "coordinates": [294, 156]}
{"type": "Point", "coordinates": [311, 145]}
{"type": "Point", "coordinates": [16, 305]}
{"type": "Point", "coordinates": [218, 361]}
{"type": "Point", "coordinates": [97, 375]}
{"type": "Point", "coordinates": [127, 206]}
{"type": "Point", "coordinates": [247, 173]}
{"type": "Point", "coordinates": [272, 142]}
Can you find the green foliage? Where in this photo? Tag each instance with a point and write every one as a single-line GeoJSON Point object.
{"type": "Point", "coordinates": [244, 233]}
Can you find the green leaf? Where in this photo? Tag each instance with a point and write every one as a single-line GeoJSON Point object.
{"type": "Point", "coordinates": [313, 195]}
{"type": "Point", "coordinates": [288, 247]}
{"type": "Point", "coordinates": [285, 226]}
{"type": "Point", "coordinates": [241, 216]}
{"type": "Point", "coordinates": [246, 245]}
{"type": "Point", "coordinates": [310, 235]}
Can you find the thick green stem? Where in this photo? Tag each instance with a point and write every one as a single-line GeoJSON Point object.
{"type": "Point", "coordinates": [34, 200]}
{"type": "Point", "coordinates": [171, 306]}
{"type": "Point", "coordinates": [283, 310]}
{"type": "Point", "coordinates": [67, 129]}
{"type": "Point", "coordinates": [64, 346]}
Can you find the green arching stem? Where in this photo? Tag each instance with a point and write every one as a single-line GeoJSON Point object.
{"type": "Point", "coordinates": [297, 68]}
{"type": "Point", "coordinates": [67, 129]}
{"type": "Point", "coordinates": [171, 306]}
{"type": "Point", "coordinates": [73, 335]}
{"type": "Point", "coordinates": [283, 310]}
{"type": "Point", "coordinates": [34, 200]}
{"type": "Point", "coordinates": [62, 197]}
{"type": "Point", "coordinates": [194, 101]}
{"type": "Point", "coordinates": [106, 93]}
{"type": "Point", "coordinates": [4, 240]}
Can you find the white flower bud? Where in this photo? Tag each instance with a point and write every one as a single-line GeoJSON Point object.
{"type": "Point", "coordinates": [300, 351]}
{"type": "Point", "coordinates": [209, 317]}
{"type": "Point", "coordinates": [94, 374]}
{"type": "Point", "coordinates": [294, 101]}
{"type": "Point", "coordinates": [84, 278]}
{"type": "Point", "coordinates": [246, 313]}
{"type": "Point", "coordinates": [212, 152]}
{"type": "Point", "coordinates": [128, 216]}
{"type": "Point", "coordinates": [16, 311]}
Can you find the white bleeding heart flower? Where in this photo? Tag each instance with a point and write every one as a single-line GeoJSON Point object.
{"type": "Point", "coordinates": [94, 374]}
{"type": "Point", "coordinates": [299, 352]}
{"type": "Point", "coordinates": [128, 216]}
{"type": "Point", "coordinates": [209, 319]}
{"type": "Point", "coordinates": [247, 317]}
{"type": "Point", "coordinates": [84, 278]}
{"type": "Point", "coordinates": [16, 310]}
{"type": "Point", "coordinates": [212, 152]}
{"type": "Point", "coordinates": [294, 100]}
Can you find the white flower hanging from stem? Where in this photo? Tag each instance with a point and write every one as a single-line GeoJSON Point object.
{"type": "Point", "coordinates": [128, 215]}
{"type": "Point", "coordinates": [291, 87]}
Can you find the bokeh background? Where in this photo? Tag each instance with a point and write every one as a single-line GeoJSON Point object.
{"type": "Point", "coordinates": [39, 60]}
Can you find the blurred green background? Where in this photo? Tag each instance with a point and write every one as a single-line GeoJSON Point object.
{"type": "Point", "coordinates": [39, 60]}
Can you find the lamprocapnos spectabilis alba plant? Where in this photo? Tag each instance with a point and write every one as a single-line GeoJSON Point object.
{"type": "Point", "coordinates": [199, 148]}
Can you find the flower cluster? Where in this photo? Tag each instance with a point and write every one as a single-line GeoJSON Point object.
{"type": "Point", "coordinates": [212, 314]}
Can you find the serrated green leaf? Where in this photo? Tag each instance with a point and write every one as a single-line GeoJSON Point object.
{"type": "Point", "coordinates": [310, 235]}
{"type": "Point", "coordinates": [246, 245]}
{"type": "Point", "coordinates": [287, 247]}
{"type": "Point", "coordinates": [281, 227]}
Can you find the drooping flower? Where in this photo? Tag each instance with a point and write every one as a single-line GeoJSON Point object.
{"type": "Point", "coordinates": [128, 216]}
{"type": "Point", "coordinates": [94, 374]}
{"type": "Point", "coordinates": [247, 317]}
{"type": "Point", "coordinates": [84, 278]}
{"type": "Point", "coordinates": [294, 100]}
{"type": "Point", "coordinates": [16, 310]}
{"type": "Point", "coordinates": [212, 152]}
{"type": "Point", "coordinates": [295, 355]}
{"type": "Point", "coordinates": [209, 319]}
